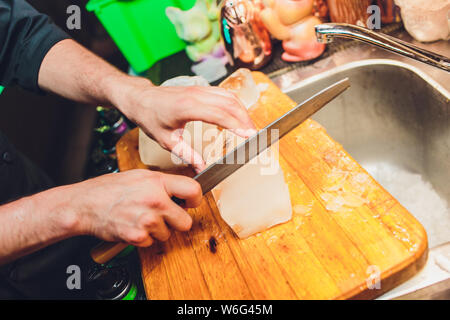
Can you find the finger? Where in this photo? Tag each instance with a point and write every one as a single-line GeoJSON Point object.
{"type": "Point", "coordinates": [218, 90]}
{"type": "Point", "coordinates": [239, 113]}
{"type": "Point", "coordinates": [139, 238]}
{"type": "Point", "coordinates": [236, 106]}
{"type": "Point", "coordinates": [147, 243]}
{"type": "Point", "coordinates": [231, 96]}
{"type": "Point", "coordinates": [183, 188]}
{"type": "Point", "coordinates": [220, 117]}
{"type": "Point", "coordinates": [230, 104]}
{"type": "Point", "coordinates": [213, 115]}
{"type": "Point", "coordinates": [155, 226]}
{"type": "Point", "coordinates": [227, 94]}
{"type": "Point", "coordinates": [184, 151]}
{"type": "Point", "coordinates": [176, 217]}
{"type": "Point", "coordinates": [244, 133]}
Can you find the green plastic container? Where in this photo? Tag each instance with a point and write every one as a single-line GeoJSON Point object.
{"type": "Point", "coordinates": [1, 89]}
{"type": "Point", "coordinates": [140, 28]}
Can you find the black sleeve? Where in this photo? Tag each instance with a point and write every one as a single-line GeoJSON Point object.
{"type": "Point", "coordinates": [25, 38]}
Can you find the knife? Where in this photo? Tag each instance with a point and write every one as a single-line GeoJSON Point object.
{"type": "Point", "coordinates": [227, 165]}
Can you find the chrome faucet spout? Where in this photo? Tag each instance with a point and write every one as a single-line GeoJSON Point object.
{"type": "Point", "coordinates": [326, 32]}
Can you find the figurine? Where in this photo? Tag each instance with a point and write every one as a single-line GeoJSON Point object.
{"type": "Point", "coordinates": [293, 22]}
{"type": "Point", "coordinates": [199, 27]}
{"type": "Point", "coordinates": [349, 11]}
{"type": "Point", "coordinates": [246, 40]}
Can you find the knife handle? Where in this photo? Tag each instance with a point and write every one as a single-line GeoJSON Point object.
{"type": "Point", "coordinates": [105, 251]}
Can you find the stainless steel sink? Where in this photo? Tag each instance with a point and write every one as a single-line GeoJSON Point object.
{"type": "Point", "coordinates": [393, 116]}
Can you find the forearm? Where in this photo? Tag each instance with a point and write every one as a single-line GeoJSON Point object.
{"type": "Point", "coordinates": [34, 222]}
{"type": "Point", "coordinates": [72, 71]}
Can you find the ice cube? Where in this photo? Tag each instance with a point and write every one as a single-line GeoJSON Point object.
{"type": "Point", "coordinates": [255, 197]}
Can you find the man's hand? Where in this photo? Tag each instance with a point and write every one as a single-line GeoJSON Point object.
{"type": "Point", "coordinates": [72, 71]}
{"type": "Point", "coordinates": [162, 113]}
{"type": "Point", "coordinates": [134, 206]}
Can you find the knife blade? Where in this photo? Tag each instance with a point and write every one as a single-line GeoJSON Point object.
{"type": "Point", "coordinates": [227, 165]}
{"type": "Point", "coordinates": [224, 167]}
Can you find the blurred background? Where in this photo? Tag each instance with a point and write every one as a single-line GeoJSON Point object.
{"type": "Point", "coordinates": [53, 132]}
{"type": "Point", "coordinates": [71, 141]}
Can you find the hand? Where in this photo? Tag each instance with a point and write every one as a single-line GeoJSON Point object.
{"type": "Point", "coordinates": [134, 206]}
{"type": "Point", "coordinates": [70, 70]}
{"type": "Point", "coordinates": [162, 113]}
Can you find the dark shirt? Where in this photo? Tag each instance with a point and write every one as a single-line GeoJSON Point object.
{"type": "Point", "coordinates": [25, 38]}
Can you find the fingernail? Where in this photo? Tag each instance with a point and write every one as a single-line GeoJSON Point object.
{"type": "Point", "coordinates": [200, 168]}
{"type": "Point", "coordinates": [245, 132]}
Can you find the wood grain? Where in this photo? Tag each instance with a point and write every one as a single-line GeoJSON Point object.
{"type": "Point", "coordinates": [319, 255]}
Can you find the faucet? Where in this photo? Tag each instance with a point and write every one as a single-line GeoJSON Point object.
{"type": "Point", "coordinates": [327, 31]}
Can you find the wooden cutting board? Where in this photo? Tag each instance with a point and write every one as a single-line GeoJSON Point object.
{"type": "Point", "coordinates": [320, 254]}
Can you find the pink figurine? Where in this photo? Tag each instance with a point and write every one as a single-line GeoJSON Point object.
{"type": "Point", "coordinates": [292, 21]}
